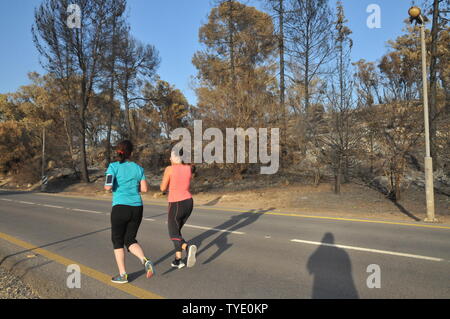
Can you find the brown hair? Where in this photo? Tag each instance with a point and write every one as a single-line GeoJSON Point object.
{"type": "Point", "coordinates": [124, 150]}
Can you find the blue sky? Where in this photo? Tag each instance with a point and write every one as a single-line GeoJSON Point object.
{"type": "Point", "coordinates": [172, 26]}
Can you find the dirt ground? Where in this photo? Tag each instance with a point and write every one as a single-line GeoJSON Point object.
{"type": "Point", "coordinates": [12, 287]}
{"type": "Point", "coordinates": [356, 200]}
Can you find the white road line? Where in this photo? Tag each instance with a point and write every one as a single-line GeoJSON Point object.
{"type": "Point", "coordinates": [215, 229]}
{"type": "Point", "coordinates": [149, 219]}
{"type": "Point", "coordinates": [52, 206]}
{"type": "Point", "coordinates": [86, 211]}
{"type": "Point", "coordinates": [23, 202]}
{"type": "Point", "coordinates": [367, 250]}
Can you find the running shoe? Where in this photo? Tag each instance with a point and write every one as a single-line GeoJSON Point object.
{"type": "Point", "coordinates": [120, 279]}
{"type": "Point", "coordinates": [149, 269]}
{"type": "Point", "coordinates": [192, 251]}
{"type": "Point", "coordinates": [178, 263]}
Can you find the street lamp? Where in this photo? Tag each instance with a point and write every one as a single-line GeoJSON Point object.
{"type": "Point", "coordinates": [416, 15]}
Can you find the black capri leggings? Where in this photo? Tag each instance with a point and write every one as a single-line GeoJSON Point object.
{"type": "Point", "coordinates": [125, 221]}
{"type": "Point", "coordinates": [179, 213]}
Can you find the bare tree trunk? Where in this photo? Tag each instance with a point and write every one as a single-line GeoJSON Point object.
{"type": "Point", "coordinates": [134, 125]}
{"type": "Point", "coordinates": [282, 84]}
{"type": "Point", "coordinates": [447, 95]}
{"type": "Point", "coordinates": [232, 58]}
{"type": "Point", "coordinates": [127, 116]}
{"type": "Point", "coordinates": [68, 131]}
{"type": "Point", "coordinates": [397, 191]}
{"type": "Point", "coordinates": [108, 139]}
{"type": "Point", "coordinates": [337, 178]}
{"type": "Point", "coordinates": [84, 166]}
{"type": "Point", "coordinates": [346, 170]}
{"type": "Point", "coordinates": [433, 83]}
{"type": "Point", "coordinates": [110, 120]}
{"type": "Point", "coordinates": [371, 153]}
{"type": "Point", "coordinates": [317, 176]}
{"type": "Point", "coordinates": [111, 94]}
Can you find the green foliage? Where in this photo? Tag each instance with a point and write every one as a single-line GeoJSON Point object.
{"type": "Point", "coordinates": [167, 107]}
{"type": "Point", "coordinates": [235, 70]}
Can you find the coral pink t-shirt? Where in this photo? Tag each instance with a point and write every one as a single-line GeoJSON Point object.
{"type": "Point", "coordinates": [179, 183]}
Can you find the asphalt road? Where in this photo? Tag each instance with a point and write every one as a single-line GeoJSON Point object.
{"type": "Point", "coordinates": [259, 253]}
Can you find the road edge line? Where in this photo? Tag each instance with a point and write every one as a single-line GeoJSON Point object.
{"type": "Point", "coordinates": [287, 213]}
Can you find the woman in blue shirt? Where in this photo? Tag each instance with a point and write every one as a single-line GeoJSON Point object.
{"type": "Point", "coordinates": [126, 179]}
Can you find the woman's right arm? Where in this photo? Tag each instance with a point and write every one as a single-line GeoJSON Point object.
{"type": "Point", "coordinates": [166, 179]}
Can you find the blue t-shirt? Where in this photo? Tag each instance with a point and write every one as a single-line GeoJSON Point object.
{"type": "Point", "coordinates": [126, 176]}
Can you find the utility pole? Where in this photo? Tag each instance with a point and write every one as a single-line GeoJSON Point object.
{"type": "Point", "coordinates": [415, 14]}
{"type": "Point", "coordinates": [43, 177]}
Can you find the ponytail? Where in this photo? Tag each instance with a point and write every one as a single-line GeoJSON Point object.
{"type": "Point", "coordinates": [124, 150]}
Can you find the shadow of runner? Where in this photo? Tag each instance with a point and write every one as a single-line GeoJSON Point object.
{"type": "Point", "coordinates": [221, 241]}
{"type": "Point", "coordinates": [233, 224]}
{"type": "Point", "coordinates": [135, 275]}
{"type": "Point", "coordinates": [332, 271]}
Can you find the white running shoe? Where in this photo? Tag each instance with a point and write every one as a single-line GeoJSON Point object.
{"type": "Point", "coordinates": [192, 251]}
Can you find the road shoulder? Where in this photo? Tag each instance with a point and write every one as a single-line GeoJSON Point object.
{"type": "Point", "coordinates": [48, 277]}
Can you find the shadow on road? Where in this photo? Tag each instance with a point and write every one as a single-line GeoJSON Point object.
{"type": "Point", "coordinates": [213, 202]}
{"type": "Point", "coordinates": [22, 276]}
{"type": "Point", "coordinates": [53, 243]}
{"type": "Point", "coordinates": [405, 211]}
{"type": "Point", "coordinates": [381, 189]}
{"type": "Point", "coordinates": [8, 192]}
{"type": "Point", "coordinates": [135, 275]}
{"type": "Point", "coordinates": [221, 242]}
{"type": "Point", "coordinates": [332, 271]}
{"type": "Point", "coordinates": [235, 223]}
